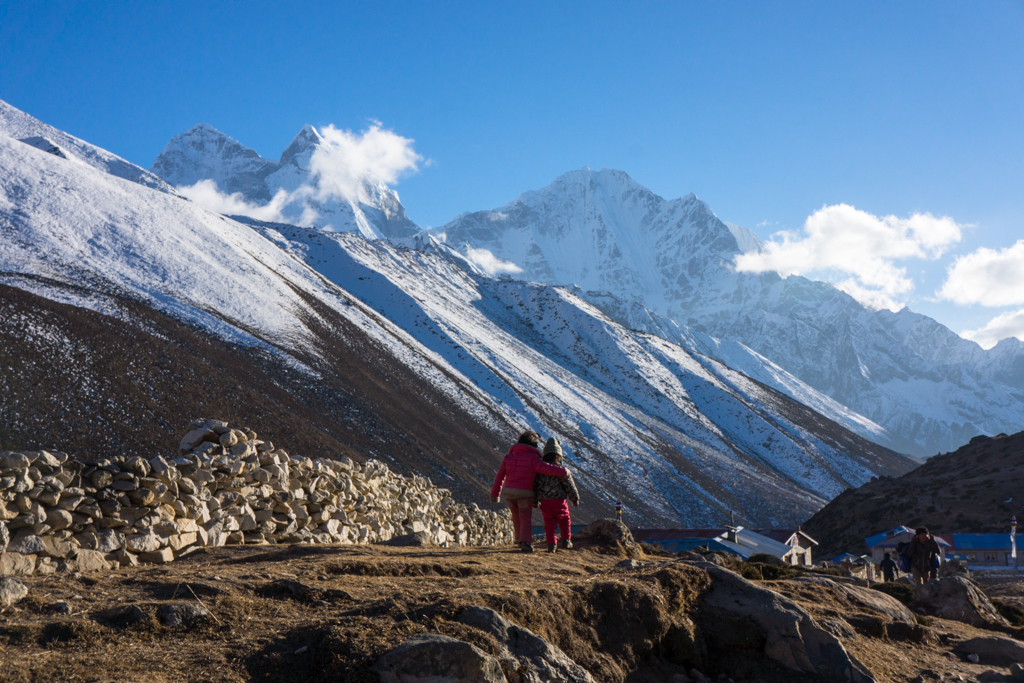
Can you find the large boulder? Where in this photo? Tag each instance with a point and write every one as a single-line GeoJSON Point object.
{"type": "Point", "coordinates": [953, 567]}
{"type": "Point", "coordinates": [194, 438]}
{"type": "Point", "coordinates": [16, 564]}
{"type": "Point", "coordinates": [993, 650]}
{"type": "Point", "coordinates": [415, 539]}
{"type": "Point", "coordinates": [767, 558]}
{"type": "Point", "coordinates": [438, 659]}
{"type": "Point", "coordinates": [89, 561]}
{"type": "Point", "coordinates": [11, 591]}
{"type": "Point", "coordinates": [742, 622]}
{"type": "Point", "coordinates": [533, 657]}
{"type": "Point", "coordinates": [956, 598]}
{"type": "Point", "coordinates": [608, 533]}
{"type": "Point", "coordinates": [27, 544]}
{"type": "Point", "coordinates": [181, 614]}
{"type": "Point", "coordinates": [14, 461]}
{"type": "Point", "coordinates": [853, 598]}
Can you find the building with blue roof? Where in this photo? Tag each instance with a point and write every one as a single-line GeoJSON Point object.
{"type": "Point", "coordinates": [983, 550]}
{"type": "Point", "coordinates": [875, 540]}
{"type": "Point", "coordinates": [978, 551]}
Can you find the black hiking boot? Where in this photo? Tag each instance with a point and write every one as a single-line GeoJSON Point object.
{"type": "Point", "coordinates": [565, 543]}
{"type": "Point", "coordinates": [526, 547]}
{"type": "Point", "coordinates": [552, 547]}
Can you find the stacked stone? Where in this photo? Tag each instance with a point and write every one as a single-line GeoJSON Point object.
{"type": "Point", "coordinates": [224, 486]}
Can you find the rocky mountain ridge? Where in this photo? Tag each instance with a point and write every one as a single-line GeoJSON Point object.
{"type": "Point", "coordinates": [603, 232]}
{"type": "Point", "coordinates": [204, 153]}
{"type": "Point", "coordinates": [616, 242]}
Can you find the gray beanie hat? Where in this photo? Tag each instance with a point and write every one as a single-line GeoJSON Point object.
{"type": "Point", "coordinates": [552, 446]}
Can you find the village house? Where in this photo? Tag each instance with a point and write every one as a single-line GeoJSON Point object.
{"type": "Point", "coordinates": [796, 539]}
{"type": "Point", "coordinates": [735, 540]}
{"type": "Point", "coordinates": [981, 551]}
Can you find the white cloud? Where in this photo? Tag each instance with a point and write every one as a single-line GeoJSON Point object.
{"type": "Point", "coordinates": [872, 298]}
{"type": "Point", "coordinates": [987, 277]}
{"type": "Point", "coordinates": [340, 164]}
{"type": "Point", "coordinates": [997, 329]}
{"type": "Point", "coordinates": [206, 194]}
{"type": "Point", "coordinates": [338, 168]}
{"type": "Point", "coordinates": [841, 239]}
{"type": "Point", "coordinates": [489, 263]}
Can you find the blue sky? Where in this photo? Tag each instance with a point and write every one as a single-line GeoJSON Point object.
{"type": "Point", "coordinates": [767, 111]}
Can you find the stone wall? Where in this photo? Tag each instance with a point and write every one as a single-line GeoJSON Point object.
{"type": "Point", "coordinates": [225, 486]}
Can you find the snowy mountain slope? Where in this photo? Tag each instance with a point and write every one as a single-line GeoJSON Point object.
{"type": "Point", "coordinates": [204, 153]}
{"type": "Point", "coordinates": [603, 232]}
{"type": "Point", "coordinates": [737, 356]}
{"type": "Point", "coordinates": [643, 419]}
{"type": "Point", "coordinates": [545, 355]}
{"type": "Point", "coordinates": [16, 124]}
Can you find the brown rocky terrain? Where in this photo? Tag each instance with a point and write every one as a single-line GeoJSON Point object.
{"type": "Point", "coordinates": [309, 613]}
{"type": "Point", "coordinates": [975, 489]}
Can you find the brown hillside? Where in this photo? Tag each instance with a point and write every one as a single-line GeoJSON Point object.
{"type": "Point", "coordinates": [974, 489]}
{"type": "Point", "coordinates": [91, 385]}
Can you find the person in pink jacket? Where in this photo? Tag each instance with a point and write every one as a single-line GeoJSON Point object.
{"type": "Point", "coordinates": [520, 466]}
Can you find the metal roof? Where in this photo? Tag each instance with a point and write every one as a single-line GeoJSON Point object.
{"type": "Point", "coordinates": [905, 537]}
{"type": "Point", "coordinates": [780, 535]}
{"type": "Point", "coordinates": [981, 541]}
{"type": "Point", "coordinates": [750, 543]}
{"type": "Point", "coordinates": [847, 557]}
{"type": "Point", "coordinates": [784, 535]}
{"type": "Point", "coordinates": [747, 542]}
{"type": "Point", "coordinates": [876, 540]}
{"type": "Point", "coordinates": [657, 535]}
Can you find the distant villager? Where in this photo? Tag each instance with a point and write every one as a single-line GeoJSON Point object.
{"type": "Point", "coordinates": [923, 553]}
{"type": "Point", "coordinates": [553, 496]}
{"type": "Point", "coordinates": [518, 470]}
{"type": "Point", "coordinates": [889, 568]}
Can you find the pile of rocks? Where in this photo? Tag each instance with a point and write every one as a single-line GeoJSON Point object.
{"type": "Point", "coordinates": [224, 486]}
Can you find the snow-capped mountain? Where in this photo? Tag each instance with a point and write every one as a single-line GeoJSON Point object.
{"type": "Point", "coordinates": [16, 124]}
{"type": "Point", "coordinates": [603, 232]}
{"type": "Point", "coordinates": [204, 153]}
{"type": "Point", "coordinates": [413, 354]}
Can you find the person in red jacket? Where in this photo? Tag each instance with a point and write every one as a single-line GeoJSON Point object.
{"type": "Point", "coordinates": [519, 467]}
{"type": "Point", "coordinates": [553, 495]}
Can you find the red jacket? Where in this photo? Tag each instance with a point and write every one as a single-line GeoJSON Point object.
{"type": "Point", "coordinates": [519, 468]}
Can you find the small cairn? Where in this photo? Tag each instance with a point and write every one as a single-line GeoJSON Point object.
{"type": "Point", "coordinates": [223, 487]}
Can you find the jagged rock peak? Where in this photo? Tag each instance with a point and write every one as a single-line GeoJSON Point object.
{"type": "Point", "coordinates": [307, 139]}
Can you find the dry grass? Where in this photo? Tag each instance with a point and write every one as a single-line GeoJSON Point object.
{"type": "Point", "coordinates": [621, 625]}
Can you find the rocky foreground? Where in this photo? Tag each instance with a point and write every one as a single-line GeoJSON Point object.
{"type": "Point", "coordinates": [377, 613]}
{"type": "Point", "coordinates": [225, 487]}
{"type": "Point", "coordinates": [237, 561]}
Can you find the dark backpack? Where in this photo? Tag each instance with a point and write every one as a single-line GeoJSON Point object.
{"type": "Point", "coordinates": [902, 559]}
